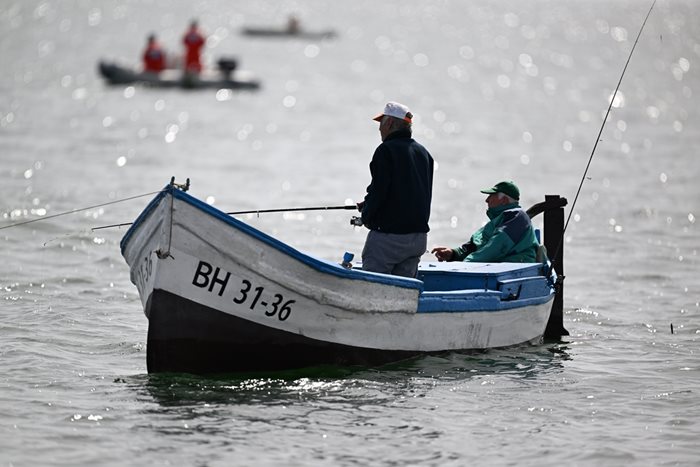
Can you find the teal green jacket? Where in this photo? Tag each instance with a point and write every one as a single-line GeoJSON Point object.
{"type": "Point", "coordinates": [507, 238]}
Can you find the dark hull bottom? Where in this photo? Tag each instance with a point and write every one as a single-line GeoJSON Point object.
{"type": "Point", "coordinates": [184, 336]}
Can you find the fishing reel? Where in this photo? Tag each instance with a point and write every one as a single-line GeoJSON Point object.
{"type": "Point", "coordinates": [356, 221]}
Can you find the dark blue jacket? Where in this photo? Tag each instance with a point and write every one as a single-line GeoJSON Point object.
{"type": "Point", "coordinates": [398, 198]}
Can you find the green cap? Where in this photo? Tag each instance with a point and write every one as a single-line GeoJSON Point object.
{"type": "Point", "coordinates": [507, 188]}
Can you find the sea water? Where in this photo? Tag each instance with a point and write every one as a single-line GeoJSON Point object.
{"type": "Point", "coordinates": [500, 90]}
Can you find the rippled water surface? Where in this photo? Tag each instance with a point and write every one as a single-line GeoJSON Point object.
{"type": "Point", "coordinates": [500, 89]}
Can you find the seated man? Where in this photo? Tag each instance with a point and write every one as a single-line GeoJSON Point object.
{"type": "Point", "coordinates": [507, 238]}
{"type": "Point", "coordinates": [153, 56]}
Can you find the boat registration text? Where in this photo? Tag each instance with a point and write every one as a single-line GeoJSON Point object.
{"type": "Point", "coordinates": [215, 280]}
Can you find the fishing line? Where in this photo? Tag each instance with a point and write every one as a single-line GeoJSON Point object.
{"type": "Point", "coordinates": [65, 236]}
{"type": "Point", "coordinates": [78, 210]}
{"type": "Point", "coordinates": [605, 119]}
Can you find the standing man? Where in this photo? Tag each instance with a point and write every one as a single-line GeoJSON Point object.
{"type": "Point", "coordinates": [396, 208]}
{"type": "Point", "coordinates": [194, 41]}
{"type": "Point", "coordinates": [508, 237]}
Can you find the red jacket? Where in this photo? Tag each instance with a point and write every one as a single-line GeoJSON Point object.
{"type": "Point", "coordinates": [154, 58]}
{"type": "Point", "coordinates": [194, 42]}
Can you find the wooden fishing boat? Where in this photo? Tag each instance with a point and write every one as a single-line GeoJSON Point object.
{"type": "Point", "coordinates": [224, 78]}
{"type": "Point", "coordinates": [222, 296]}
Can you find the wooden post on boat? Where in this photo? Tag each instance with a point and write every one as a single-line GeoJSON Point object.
{"type": "Point", "coordinates": [553, 208]}
{"type": "Point", "coordinates": [554, 242]}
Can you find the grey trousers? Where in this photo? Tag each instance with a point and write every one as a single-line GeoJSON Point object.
{"type": "Point", "coordinates": [397, 254]}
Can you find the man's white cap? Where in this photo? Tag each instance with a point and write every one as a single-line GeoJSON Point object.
{"type": "Point", "coordinates": [396, 110]}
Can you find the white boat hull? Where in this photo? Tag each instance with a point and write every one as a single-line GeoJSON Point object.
{"type": "Point", "coordinates": [222, 296]}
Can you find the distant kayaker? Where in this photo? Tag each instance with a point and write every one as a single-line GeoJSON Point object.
{"type": "Point", "coordinates": [193, 41]}
{"type": "Point", "coordinates": [153, 56]}
{"type": "Point", "coordinates": [507, 238]}
{"type": "Point", "coordinates": [396, 207]}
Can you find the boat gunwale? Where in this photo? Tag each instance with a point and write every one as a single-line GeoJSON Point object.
{"type": "Point", "coordinates": [324, 266]}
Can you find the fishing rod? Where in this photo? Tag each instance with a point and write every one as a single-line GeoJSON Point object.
{"type": "Point", "coordinates": [316, 208]}
{"type": "Point", "coordinates": [600, 132]}
{"type": "Point", "coordinates": [256, 211]}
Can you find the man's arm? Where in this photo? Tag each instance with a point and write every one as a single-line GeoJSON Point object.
{"type": "Point", "coordinates": [380, 169]}
{"type": "Point", "coordinates": [494, 250]}
{"type": "Point", "coordinates": [443, 253]}
{"type": "Point", "coordinates": [511, 229]}
{"type": "Point", "coordinates": [461, 252]}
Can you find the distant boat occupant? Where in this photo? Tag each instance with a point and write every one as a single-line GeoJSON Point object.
{"type": "Point", "coordinates": [507, 238]}
{"type": "Point", "coordinates": [293, 25]}
{"type": "Point", "coordinates": [396, 207]}
{"type": "Point", "coordinates": [153, 56]}
{"type": "Point", "coordinates": [194, 41]}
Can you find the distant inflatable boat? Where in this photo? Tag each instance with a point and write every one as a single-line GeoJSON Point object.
{"type": "Point", "coordinates": [226, 77]}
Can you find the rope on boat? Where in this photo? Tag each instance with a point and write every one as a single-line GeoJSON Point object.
{"type": "Point", "coordinates": [166, 254]}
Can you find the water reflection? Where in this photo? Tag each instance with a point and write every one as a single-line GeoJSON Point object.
{"type": "Point", "coordinates": [427, 398]}
{"type": "Point", "coordinates": [521, 363]}
{"type": "Point", "coordinates": [354, 386]}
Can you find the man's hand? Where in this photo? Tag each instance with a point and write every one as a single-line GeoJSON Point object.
{"type": "Point", "coordinates": [442, 253]}
{"type": "Point", "coordinates": [360, 205]}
